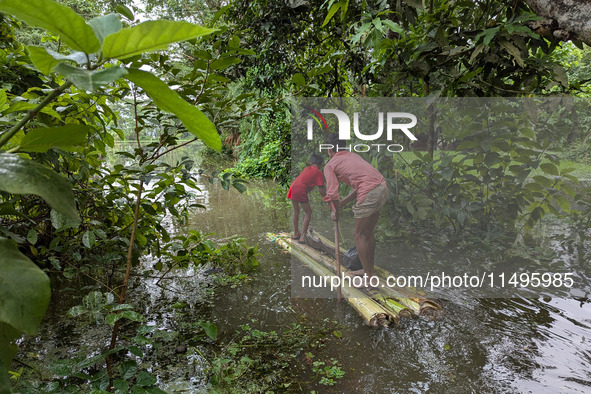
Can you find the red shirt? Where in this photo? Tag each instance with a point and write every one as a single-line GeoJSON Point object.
{"type": "Point", "coordinates": [301, 186]}
{"type": "Point", "coordinates": [350, 168]}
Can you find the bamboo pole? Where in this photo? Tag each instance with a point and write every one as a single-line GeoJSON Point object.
{"type": "Point", "coordinates": [337, 256]}
{"type": "Point", "coordinates": [372, 313]}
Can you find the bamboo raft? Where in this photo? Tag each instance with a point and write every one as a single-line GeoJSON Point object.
{"type": "Point", "coordinates": [378, 308]}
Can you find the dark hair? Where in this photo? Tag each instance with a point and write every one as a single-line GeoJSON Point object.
{"type": "Point", "coordinates": [333, 139]}
{"type": "Point", "coordinates": [316, 159]}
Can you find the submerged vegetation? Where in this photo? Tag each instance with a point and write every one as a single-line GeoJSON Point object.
{"type": "Point", "coordinates": [83, 217]}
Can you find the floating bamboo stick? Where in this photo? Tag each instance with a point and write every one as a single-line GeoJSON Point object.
{"type": "Point", "coordinates": [407, 296]}
{"type": "Point", "coordinates": [372, 313]}
{"type": "Point", "coordinates": [395, 309]}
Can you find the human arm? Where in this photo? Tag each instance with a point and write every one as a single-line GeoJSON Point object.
{"type": "Point", "coordinates": [332, 192]}
{"type": "Point", "coordinates": [351, 196]}
{"type": "Point", "coordinates": [336, 208]}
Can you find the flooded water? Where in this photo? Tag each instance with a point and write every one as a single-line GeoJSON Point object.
{"type": "Point", "coordinates": [476, 345]}
{"type": "Point", "coordinates": [540, 345]}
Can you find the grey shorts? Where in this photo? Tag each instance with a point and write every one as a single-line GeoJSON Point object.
{"type": "Point", "coordinates": [373, 202]}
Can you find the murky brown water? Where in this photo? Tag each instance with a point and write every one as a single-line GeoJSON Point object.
{"type": "Point", "coordinates": [477, 345]}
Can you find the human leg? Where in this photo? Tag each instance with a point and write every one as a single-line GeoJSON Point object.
{"type": "Point", "coordinates": [366, 242]}
{"type": "Point", "coordinates": [307, 216]}
{"type": "Point", "coordinates": [296, 219]}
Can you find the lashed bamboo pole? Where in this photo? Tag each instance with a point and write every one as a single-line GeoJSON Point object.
{"type": "Point", "coordinates": [407, 296]}
{"type": "Point", "coordinates": [372, 313]}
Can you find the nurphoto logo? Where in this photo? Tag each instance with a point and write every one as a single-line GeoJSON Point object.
{"type": "Point", "coordinates": [344, 128]}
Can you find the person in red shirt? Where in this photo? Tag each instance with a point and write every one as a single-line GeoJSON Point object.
{"type": "Point", "coordinates": [369, 188]}
{"type": "Point", "coordinates": [310, 177]}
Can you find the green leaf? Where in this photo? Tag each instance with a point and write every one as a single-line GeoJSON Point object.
{"type": "Point", "coordinates": [513, 51]}
{"type": "Point", "coordinates": [562, 202]}
{"type": "Point", "coordinates": [5, 385]}
{"type": "Point", "coordinates": [150, 36]}
{"type": "Point", "coordinates": [24, 289]}
{"type": "Point", "coordinates": [21, 176]}
{"type": "Point", "coordinates": [477, 50]}
{"type": "Point", "coordinates": [395, 27]}
{"type": "Point", "coordinates": [45, 59]}
{"type": "Point", "coordinates": [488, 35]}
{"type": "Point", "coordinates": [105, 25]}
{"type": "Point", "coordinates": [220, 12]}
{"type": "Point", "coordinates": [126, 12]}
{"type": "Point", "coordinates": [333, 10]}
{"type": "Point", "coordinates": [549, 168]}
{"type": "Point", "coordinates": [3, 100]}
{"type": "Point", "coordinates": [239, 186]}
{"type": "Point", "coordinates": [112, 319]}
{"type": "Point", "coordinates": [168, 100]}
{"type": "Point", "coordinates": [21, 106]}
{"type": "Point", "coordinates": [8, 348]}
{"type": "Point", "coordinates": [120, 386]}
{"type": "Point", "coordinates": [32, 236]}
{"type": "Point", "coordinates": [223, 63]}
{"type": "Point", "coordinates": [90, 80]}
{"type": "Point", "coordinates": [88, 239]}
{"type": "Point", "coordinates": [55, 18]}
{"type": "Point", "coordinates": [136, 351]}
{"type": "Point", "coordinates": [145, 379]}
{"type": "Point", "coordinates": [61, 222]}
{"type": "Point", "coordinates": [211, 330]}
{"type": "Point", "coordinates": [544, 181]}
{"type": "Point", "coordinates": [128, 369]}
{"type": "Point", "coordinates": [129, 315]}
{"type": "Point", "coordinates": [298, 79]}
{"type": "Point", "coordinates": [65, 137]}
{"type": "Point", "coordinates": [560, 75]}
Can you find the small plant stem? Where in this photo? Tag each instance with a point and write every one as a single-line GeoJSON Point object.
{"type": "Point", "coordinates": [4, 138]}
{"type": "Point", "coordinates": [123, 294]}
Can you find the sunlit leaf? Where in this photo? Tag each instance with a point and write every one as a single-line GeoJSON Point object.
{"type": "Point", "coordinates": [150, 36]}
{"type": "Point", "coordinates": [55, 18]}
{"type": "Point", "coordinates": [125, 11]}
{"type": "Point", "coordinates": [168, 100]}
{"type": "Point", "coordinates": [105, 25]}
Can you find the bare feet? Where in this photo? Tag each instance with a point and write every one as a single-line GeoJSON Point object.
{"type": "Point", "coordinates": [356, 273]}
{"type": "Point", "coordinates": [296, 236]}
{"type": "Point", "coordinates": [302, 240]}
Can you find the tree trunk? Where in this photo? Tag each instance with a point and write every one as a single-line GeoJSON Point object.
{"type": "Point", "coordinates": [571, 15]}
